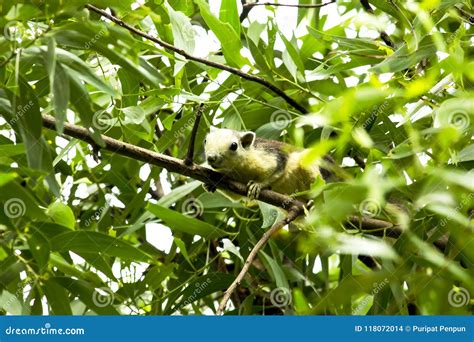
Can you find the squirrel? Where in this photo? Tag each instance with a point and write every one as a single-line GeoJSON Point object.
{"type": "Point", "coordinates": [261, 163]}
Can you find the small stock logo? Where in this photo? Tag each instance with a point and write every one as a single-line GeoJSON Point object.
{"type": "Point", "coordinates": [280, 297]}
{"type": "Point", "coordinates": [192, 207]}
{"type": "Point", "coordinates": [14, 31]}
{"type": "Point", "coordinates": [280, 119]}
{"type": "Point", "coordinates": [459, 297]}
{"type": "Point", "coordinates": [369, 208]}
{"type": "Point", "coordinates": [102, 120]}
{"type": "Point", "coordinates": [103, 296]}
{"type": "Point", "coordinates": [188, 32]}
{"type": "Point", "coordinates": [459, 120]}
{"type": "Point", "coordinates": [14, 208]}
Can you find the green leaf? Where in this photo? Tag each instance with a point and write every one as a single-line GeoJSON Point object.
{"type": "Point", "coordinates": [183, 32]}
{"type": "Point", "coordinates": [347, 244]}
{"type": "Point", "coordinates": [359, 45]}
{"type": "Point", "coordinates": [82, 103]}
{"type": "Point", "coordinates": [6, 177]}
{"type": "Point", "coordinates": [437, 259]}
{"type": "Point", "coordinates": [403, 59]}
{"type": "Point", "coordinates": [59, 83]}
{"type": "Point", "coordinates": [89, 295]}
{"type": "Point", "coordinates": [466, 154]}
{"type": "Point", "coordinates": [229, 14]}
{"type": "Point", "coordinates": [291, 58]}
{"type": "Point", "coordinates": [39, 247]}
{"type": "Point", "coordinates": [11, 304]}
{"type": "Point", "coordinates": [99, 263]}
{"type": "Point", "coordinates": [157, 274]}
{"type": "Point", "coordinates": [12, 150]}
{"type": "Point", "coordinates": [60, 86]}
{"type": "Point", "coordinates": [178, 193]}
{"type": "Point", "coordinates": [202, 287]}
{"type": "Point", "coordinates": [134, 114]}
{"type": "Point", "coordinates": [19, 202]}
{"type": "Point", "coordinates": [61, 214]}
{"type": "Point", "coordinates": [58, 298]}
{"type": "Point", "coordinates": [27, 121]}
{"type": "Point", "coordinates": [186, 224]}
{"type": "Point", "coordinates": [182, 248]}
{"type": "Point", "coordinates": [270, 213]}
{"type": "Point", "coordinates": [275, 270]}
{"type": "Point", "coordinates": [94, 242]}
{"type": "Point", "coordinates": [112, 42]}
{"type": "Point", "coordinates": [230, 40]}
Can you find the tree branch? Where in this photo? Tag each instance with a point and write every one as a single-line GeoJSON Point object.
{"type": "Point", "coordinates": [293, 213]}
{"type": "Point", "coordinates": [466, 15]}
{"type": "Point", "coordinates": [192, 139]}
{"type": "Point", "coordinates": [253, 4]}
{"type": "Point", "coordinates": [205, 174]}
{"type": "Point", "coordinates": [188, 56]}
{"type": "Point", "coordinates": [383, 35]}
{"type": "Point", "coordinates": [172, 164]}
{"type": "Point", "coordinates": [245, 11]}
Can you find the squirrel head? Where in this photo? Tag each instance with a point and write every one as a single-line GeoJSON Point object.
{"type": "Point", "coordinates": [225, 148]}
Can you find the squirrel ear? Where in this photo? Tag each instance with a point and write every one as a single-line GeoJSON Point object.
{"type": "Point", "coordinates": [213, 129]}
{"type": "Point", "coordinates": [247, 139]}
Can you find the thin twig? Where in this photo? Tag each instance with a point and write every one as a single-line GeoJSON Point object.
{"type": "Point", "coordinates": [359, 161]}
{"type": "Point", "coordinates": [293, 213]}
{"type": "Point", "coordinates": [383, 35]}
{"type": "Point", "coordinates": [245, 11]}
{"type": "Point", "coordinates": [188, 56]}
{"type": "Point", "coordinates": [275, 4]}
{"type": "Point", "coordinates": [190, 156]}
{"type": "Point", "coordinates": [466, 15]}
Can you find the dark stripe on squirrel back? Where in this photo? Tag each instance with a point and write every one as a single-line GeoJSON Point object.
{"type": "Point", "coordinates": [277, 148]}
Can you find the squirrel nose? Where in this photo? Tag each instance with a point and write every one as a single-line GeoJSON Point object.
{"type": "Point", "coordinates": [212, 158]}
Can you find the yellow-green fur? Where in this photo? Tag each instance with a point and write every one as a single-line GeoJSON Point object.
{"type": "Point", "coordinates": [270, 164]}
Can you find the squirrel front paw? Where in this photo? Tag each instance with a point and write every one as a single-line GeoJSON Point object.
{"type": "Point", "coordinates": [209, 187]}
{"type": "Point", "coordinates": [253, 190]}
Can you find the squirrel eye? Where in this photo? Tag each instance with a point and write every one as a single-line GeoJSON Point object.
{"type": "Point", "coordinates": [233, 146]}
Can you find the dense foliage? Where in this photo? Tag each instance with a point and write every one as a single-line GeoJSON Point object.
{"type": "Point", "coordinates": [388, 92]}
